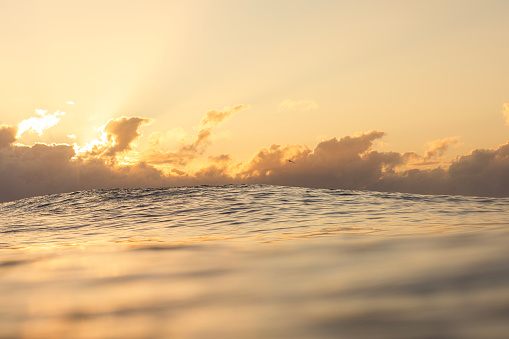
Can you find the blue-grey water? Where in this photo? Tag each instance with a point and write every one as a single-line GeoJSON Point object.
{"type": "Point", "coordinates": [253, 262]}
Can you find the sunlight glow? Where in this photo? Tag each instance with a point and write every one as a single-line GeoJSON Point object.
{"type": "Point", "coordinates": [39, 124]}
{"type": "Point", "coordinates": [98, 142]}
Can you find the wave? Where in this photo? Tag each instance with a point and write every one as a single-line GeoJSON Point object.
{"type": "Point", "coordinates": [238, 211]}
{"type": "Point", "coordinates": [253, 261]}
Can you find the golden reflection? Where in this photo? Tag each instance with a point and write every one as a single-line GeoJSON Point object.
{"type": "Point", "coordinates": [308, 288]}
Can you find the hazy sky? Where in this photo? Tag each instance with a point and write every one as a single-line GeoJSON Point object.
{"type": "Point", "coordinates": [299, 72]}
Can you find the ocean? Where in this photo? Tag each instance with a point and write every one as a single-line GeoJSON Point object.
{"type": "Point", "coordinates": [254, 261]}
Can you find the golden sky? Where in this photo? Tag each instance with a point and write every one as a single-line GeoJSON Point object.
{"type": "Point", "coordinates": [180, 88]}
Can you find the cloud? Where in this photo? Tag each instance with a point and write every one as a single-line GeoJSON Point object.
{"type": "Point", "coordinates": [185, 153]}
{"type": "Point", "coordinates": [117, 136]}
{"type": "Point", "coordinates": [298, 105]}
{"type": "Point", "coordinates": [45, 169]}
{"type": "Point", "coordinates": [214, 117]}
{"type": "Point", "coordinates": [437, 148]}
{"type": "Point", "coordinates": [483, 172]}
{"type": "Point", "coordinates": [7, 135]}
{"type": "Point", "coordinates": [188, 151]}
{"type": "Point", "coordinates": [350, 162]}
{"type": "Point", "coordinates": [122, 132]}
{"type": "Point", "coordinates": [39, 124]}
{"type": "Point", "coordinates": [347, 163]}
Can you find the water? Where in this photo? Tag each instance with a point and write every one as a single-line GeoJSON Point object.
{"type": "Point", "coordinates": [251, 262]}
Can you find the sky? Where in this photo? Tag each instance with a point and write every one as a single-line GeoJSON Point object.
{"type": "Point", "coordinates": [408, 96]}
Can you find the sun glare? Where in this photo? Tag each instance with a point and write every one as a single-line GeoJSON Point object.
{"type": "Point", "coordinates": [38, 124]}
{"type": "Point", "coordinates": [98, 142]}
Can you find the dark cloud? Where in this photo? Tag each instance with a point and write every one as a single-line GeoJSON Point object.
{"type": "Point", "coordinates": [44, 169]}
{"type": "Point", "coordinates": [335, 163]}
{"type": "Point", "coordinates": [122, 132]}
{"type": "Point", "coordinates": [7, 135]}
{"type": "Point", "coordinates": [483, 172]}
{"type": "Point", "coordinates": [118, 136]}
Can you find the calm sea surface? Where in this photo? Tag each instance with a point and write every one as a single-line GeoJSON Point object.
{"type": "Point", "coordinates": [254, 262]}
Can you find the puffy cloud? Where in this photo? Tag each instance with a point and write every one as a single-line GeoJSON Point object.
{"type": "Point", "coordinates": [118, 135]}
{"type": "Point", "coordinates": [7, 135]}
{"type": "Point", "coordinates": [299, 105]}
{"type": "Point", "coordinates": [349, 162]}
{"type": "Point", "coordinates": [438, 148]}
{"type": "Point", "coordinates": [44, 169]}
{"type": "Point", "coordinates": [27, 171]}
{"type": "Point", "coordinates": [335, 163]}
{"type": "Point", "coordinates": [38, 124]}
{"type": "Point", "coordinates": [483, 172]}
{"type": "Point", "coordinates": [122, 132]}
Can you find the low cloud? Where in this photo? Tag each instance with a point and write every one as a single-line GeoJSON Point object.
{"type": "Point", "coordinates": [483, 172]}
{"type": "Point", "coordinates": [347, 163]}
{"type": "Point", "coordinates": [350, 162]}
{"type": "Point", "coordinates": [298, 105]}
{"type": "Point", "coordinates": [7, 135]}
{"type": "Point", "coordinates": [44, 169]}
{"type": "Point", "coordinates": [122, 132]}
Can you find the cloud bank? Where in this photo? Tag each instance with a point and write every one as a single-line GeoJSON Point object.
{"type": "Point", "coordinates": [349, 162]}
{"type": "Point", "coordinates": [7, 135]}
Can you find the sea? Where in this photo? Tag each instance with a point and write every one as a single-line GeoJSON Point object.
{"type": "Point", "coordinates": [254, 261]}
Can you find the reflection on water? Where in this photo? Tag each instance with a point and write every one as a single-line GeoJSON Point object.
{"type": "Point", "coordinates": [310, 266]}
{"type": "Point", "coordinates": [455, 286]}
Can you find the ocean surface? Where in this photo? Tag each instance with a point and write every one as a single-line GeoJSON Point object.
{"type": "Point", "coordinates": [253, 261]}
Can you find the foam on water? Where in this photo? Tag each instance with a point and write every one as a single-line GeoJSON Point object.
{"type": "Point", "coordinates": [253, 261]}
